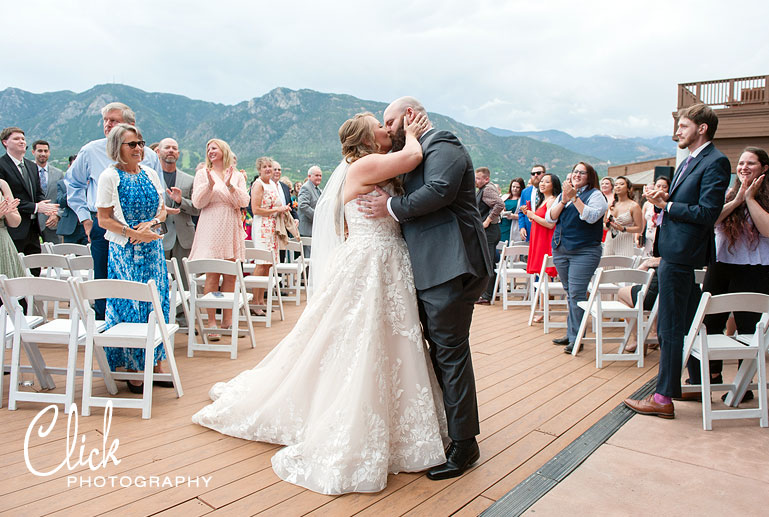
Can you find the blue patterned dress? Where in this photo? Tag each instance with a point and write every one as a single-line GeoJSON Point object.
{"type": "Point", "coordinates": [136, 262]}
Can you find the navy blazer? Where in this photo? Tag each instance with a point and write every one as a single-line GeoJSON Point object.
{"type": "Point", "coordinates": [20, 189]}
{"type": "Point", "coordinates": [68, 220]}
{"type": "Point", "coordinates": [686, 235]}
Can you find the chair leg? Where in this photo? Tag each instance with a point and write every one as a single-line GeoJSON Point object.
{"type": "Point", "coordinates": [69, 383]}
{"type": "Point", "coordinates": [707, 404]}
{"type": "Point", "coordinates": [85, 406]}
{"type": "Point", "coordinates": [13, 387]}
{"type": "Point", "coordinates": [598, 340]}
{"type": "Point", "coordinates": [149, 364]}
{"type": "Point", "coordinates": [762, 388]}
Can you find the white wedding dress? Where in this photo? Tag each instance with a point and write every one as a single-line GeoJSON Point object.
{"type": "Point", "coordinates": [350, 390]}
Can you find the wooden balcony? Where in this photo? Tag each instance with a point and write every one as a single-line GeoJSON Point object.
{"type": "Point", "coordinates": [725, 93]}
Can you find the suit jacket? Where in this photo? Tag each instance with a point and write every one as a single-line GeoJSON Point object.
{"type": "Point", "coordinates": [439, 215]}
{"type": "Point", "coordinates": [54, 175]}
{"type": "Point", "coordinates": [27, 199]}
{"type": "Point", "coordinates": [307, 199]}
{"type": "Point", "coordinates": [68, 220]}
{"type": "Point", "coordinates": [180, 226]}
{"type": "Point", "coordinates": [287, 195]}
{"type": "Point", "coordinates": [686, 234]}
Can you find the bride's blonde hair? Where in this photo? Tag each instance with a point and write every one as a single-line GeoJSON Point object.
{"type": "Point", "coordinates": [357, 137]}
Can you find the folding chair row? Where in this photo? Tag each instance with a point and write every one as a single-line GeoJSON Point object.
{"type": "Point", "coordinates": [545, 289]}
{"type": "Point", "coordinates": [82, 329]}
{"type": "Point", "coordinates": [67, 248]}
{"type": "Point", "coordinates": [293, 270]}
{"type": "Point", "coordinates": [511, 273]}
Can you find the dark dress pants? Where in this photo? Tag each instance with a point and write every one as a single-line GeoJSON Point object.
{"type": "Point", "coordinates": [100, 254]}
{"type": "Point", "coordinates": [493, 236]}
{"type": "Point", "coordinates": [446, 312]}
{"type": "Point", "coordinates": [678, 300]}
{"type": "Point", "coordinates": [30, 244]}
{"type": "Point", "coordinates": [723, 278]}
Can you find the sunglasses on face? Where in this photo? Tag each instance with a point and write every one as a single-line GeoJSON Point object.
{"type": "Point", "coordinates": [133, 145]}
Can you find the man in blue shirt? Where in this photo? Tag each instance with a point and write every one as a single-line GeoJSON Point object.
{"type": "Point", "coordinates": [531, 194]}
{"type": "Point", "coordinates": [82, 181]}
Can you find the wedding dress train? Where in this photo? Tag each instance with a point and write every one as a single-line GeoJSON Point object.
{"type": "Point", "coordinates": [350, 390]}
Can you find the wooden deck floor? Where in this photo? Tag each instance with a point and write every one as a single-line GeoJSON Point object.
{"type": "Point", "coordinates": [534, 400]}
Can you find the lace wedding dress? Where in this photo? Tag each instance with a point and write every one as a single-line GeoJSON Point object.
{"type": "Point", "coordinates": [350, 390]}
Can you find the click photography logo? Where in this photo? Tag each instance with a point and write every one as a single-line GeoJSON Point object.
{"type": "Point", "coordinates": [99, 460]}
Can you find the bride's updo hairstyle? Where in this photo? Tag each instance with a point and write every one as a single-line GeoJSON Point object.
{"type": "Point", "coordinates": [357, 137]}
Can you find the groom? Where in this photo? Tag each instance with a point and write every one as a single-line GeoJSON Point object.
{"type": "Point", "coordinates": [447, 244]}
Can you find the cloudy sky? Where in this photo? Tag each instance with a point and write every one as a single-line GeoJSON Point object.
{"type": "Point", "coordinates": [583, 67]}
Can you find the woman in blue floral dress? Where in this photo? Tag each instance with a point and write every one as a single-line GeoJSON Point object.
{"type": "Point", "coordinates": [130, 205]}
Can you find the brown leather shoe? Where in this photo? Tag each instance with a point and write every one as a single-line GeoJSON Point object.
{"type": "Point", "coordinates": [649, 406]}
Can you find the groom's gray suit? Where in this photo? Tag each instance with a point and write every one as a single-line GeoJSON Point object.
{"type": "Point", "coordinates": [447, 244]}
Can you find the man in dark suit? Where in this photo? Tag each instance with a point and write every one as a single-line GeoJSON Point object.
{"type": "Point", "coordinates": [450, 258]}
{"type": "Point", "coordinates": [685, 241]}
{"type": "Point", "coordinates": [49, 179]}
{"type": "Point", "coordinates": [307, 199]}
{"type": "Point", "coordinates": [21, 176]}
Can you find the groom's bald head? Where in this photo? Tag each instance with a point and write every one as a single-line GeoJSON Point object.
{"type": "Point", "coordinates": [393, 119]}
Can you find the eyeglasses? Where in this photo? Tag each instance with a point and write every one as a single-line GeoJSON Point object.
{"type": "Point", "coordinates": [537, 173]}
{"type": "Point", "coordinates": [133, 145]}
{"type": "Point", "coordinates": [580, 173]}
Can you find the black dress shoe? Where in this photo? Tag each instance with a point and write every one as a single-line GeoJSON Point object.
{"type": "Point", "coordinates": [134, 388]}
{"type": "Point", "coordinates": [561, 340]}
{"type": "Point", "coordinates": [459, 457]}
{"type": "Point", "coordinates": [569, 348]}
{"type": "Point", "coordinates": [163, 384]}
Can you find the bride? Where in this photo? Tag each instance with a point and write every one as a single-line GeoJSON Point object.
{"type": "Point", "coordinates": [350, 390]}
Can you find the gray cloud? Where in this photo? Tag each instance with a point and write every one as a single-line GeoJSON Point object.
{"type": "Point", "coordinates": [583, 67]}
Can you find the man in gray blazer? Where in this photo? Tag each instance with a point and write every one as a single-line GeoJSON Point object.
{"type": "Point", "coordinates": [306, 200]}
{"type": "Point", "coordinates": [450, 257]}
{"type": "Point", "coordinates": [181, 229]}
{"type": "Point", "coordinates": [49, 179]}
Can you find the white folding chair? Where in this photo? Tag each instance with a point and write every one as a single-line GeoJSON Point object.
{"type": "Point", "coordinates": [148, 336]}
{"type": "Point", "coordinates": [293, 271]}
{"type": "Point", "coordinates": [510, 271]}
{"type": "Point", "coordinates": [598, 308]}
{"type": "Point", "coordinates": [8, 331]}
{"type": "Point", "coordinates": [545, 289]}
{"type": "Point", "coordinates": [67, 332]}
{"type": "Point", "coordinates": [307, 243]}
{"type": "Point", "coordinates": [269, 282]}
{"type": "Point", "coordinates": [80, 266]}
{"type": "Point", "coordinates": [69, 248]}
{"type": "Point", "coordinates": [51, 266]}
{"type": "Point", "coordinates": [178, 297]}
{"type": "Point", "coordinates": [751, 349]}
{"type": "Point", "coordinates": [236, 301]}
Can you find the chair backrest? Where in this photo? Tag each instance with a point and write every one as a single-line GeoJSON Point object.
{"type": "Point", "coordinates": [250, 244]}
{"type": "Point", "coordinates": [81, 265]}
{"type": "Point", "coordinates": [219, 266]}
{"type": "Point", "coordinates": [41, 260]}
{"type": "Point", "coordinates": [515, 250]}
{"type": "Point", "coordinates": [68, 248]}
{"type": "Point", "coordinates": [260, 256]}
{"type": "Point", "coordinates": [294, 246]}
{"type": "Point", "coordinates": [34, 289]}
{"type": "Point", "coordinates": [736, 302]}
{"type": "Point", "coordinates": [616, 261]}
{"type": "Point", "coordinates": [622, 276]}
{"type": "Point", "coordinates": [306, 241]}
{"type": "Point", "coordinates": [173, 271]}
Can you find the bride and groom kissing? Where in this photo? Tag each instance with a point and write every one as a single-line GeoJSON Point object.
{"type": "Point", "coordinates": [352, 390]}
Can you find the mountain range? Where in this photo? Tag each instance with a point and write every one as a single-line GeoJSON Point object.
{"type": "Point", "coordinates": [299, 128]}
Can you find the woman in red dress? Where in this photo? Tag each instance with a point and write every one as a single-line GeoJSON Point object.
{"type": "Point", "coordinates": [541, 239]}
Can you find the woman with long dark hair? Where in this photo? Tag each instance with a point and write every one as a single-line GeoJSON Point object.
{"type": "Point", "coordinates": [624, 220]}
{"type": "Point", "coordinates": [742, 252]}
{"type": "Point", "coordinates": [508, 224]}
{"type": "Point", "coordinates": [578, 213]}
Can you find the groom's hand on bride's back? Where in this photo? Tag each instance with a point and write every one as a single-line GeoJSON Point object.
{"type": "Point", "coordinates": [374, 206]}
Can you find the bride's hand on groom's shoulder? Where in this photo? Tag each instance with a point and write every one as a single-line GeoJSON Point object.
{"type": "Point", "coordinates": [374, 206]}
{"type": "Point", "coordinates": [418, 126]}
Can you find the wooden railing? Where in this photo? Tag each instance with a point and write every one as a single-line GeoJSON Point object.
{"type": "Point", "coordinates": [725, 93]}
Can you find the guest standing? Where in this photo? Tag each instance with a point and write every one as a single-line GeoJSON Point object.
{"type": "Point", "coordinates": [651, 215]}
{"type": "Point", "coordinates": [265, 206]}
{"type": "Point", "coordinates": [129, 205]}
{"type": "Point", "coordinates": [307, 199]}
{"type": "Point", "coordinates": [219, 192]}
{"type": "Point", "coordinates": [742, 252]}
{"type": "Point", "coordinates": [50, 177]}
{"type": "Point", "coordinates": [624, 221]}
{"type": "Point", "coordinates": [578, 213]}
{"type": "Point", "coordinates": [685, 242]}
{"type": "Point", "coordinates": [10, 265]}
{"type": "Point", "coordinates": [542, 230]}
{"type": "Point", "coordinates": [490, 205]}
{"type": "Point", "coordinates": [530, 194]}
{"type": "Point", "coordinates": [508, 225]}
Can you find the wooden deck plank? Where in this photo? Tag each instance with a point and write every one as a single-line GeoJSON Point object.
{"type": "Point", "coordinates": [533, 400]}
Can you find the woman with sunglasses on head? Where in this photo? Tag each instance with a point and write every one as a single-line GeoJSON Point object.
{"type": "Point", "coordinates": [130, 208]}
{"type": "Point", "coordinates": [578, 213]}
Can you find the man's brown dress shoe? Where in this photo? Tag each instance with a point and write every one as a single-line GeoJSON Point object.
{"type": "Point", "coordinates": [649, 406]}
